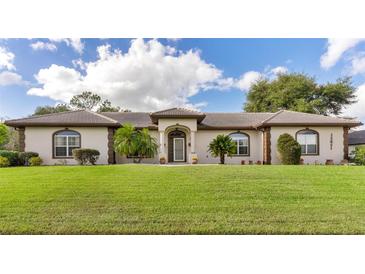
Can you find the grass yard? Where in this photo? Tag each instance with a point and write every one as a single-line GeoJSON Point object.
{"type": "Point", "coordinates": [142, 199]}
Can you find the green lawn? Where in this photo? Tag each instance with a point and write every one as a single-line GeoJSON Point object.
{"type": "Point", "coordinates": [142, 199]}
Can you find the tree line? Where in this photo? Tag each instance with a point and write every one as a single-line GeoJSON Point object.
{"type": "Point", "coordinates": [84, 101]}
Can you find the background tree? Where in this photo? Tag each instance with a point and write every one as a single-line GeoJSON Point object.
{"type": "Point", "coordinates": [222, 145]}
{"type": "Point", "coordinates": [4, 135]}
{"type": "Point", "coordinates": [289, 149]}
{"type": "Point", "coordinates": [41, 110]}
{"type": "Point", "coordinates": [359, 155]}
{"type": "Point", "coordinates": [86, 100]}
{"type": "Point", "coordinates": [135, 143]}
{"type": "Point", "coordinates": [299, 92]}
{"type": "Point", "coordinates": [106, 106]}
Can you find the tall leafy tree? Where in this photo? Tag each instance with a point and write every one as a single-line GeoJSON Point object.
{"type": "Point", "coordinates": [106, 106]}
{"type": "Point", "coordinates": [41, 110]}
{"type": "Point", "coordinates": [221, 146]}
{"type": "Point", "coordinates": [4, 135]}
{"type": "Point", "coordinates": [300, 92]}
{"type": "Point", "coordinates": [86, 100]}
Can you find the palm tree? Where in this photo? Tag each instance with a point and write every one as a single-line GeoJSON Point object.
{"type": "Point", "coordinates": [222, 145]}
{"type": "Point", "coordinates": [146, 144]}
{"type": "Point", "coordinates": [130, 142]}
{"type": "Point", "coordinates": [125, 140]}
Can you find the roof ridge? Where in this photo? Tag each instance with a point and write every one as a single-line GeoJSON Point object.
{"type": "Point", "coordinates": [102, 116]}
{"type": "Point", "coordinates": [46, 115]}
{"type": "Point", "coordinates": [271, 117]}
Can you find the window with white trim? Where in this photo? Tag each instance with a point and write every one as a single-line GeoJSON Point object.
{"type": "Point", "coordinates": [308, 140]}
{"type": "Point", "coordinates": [242, 142]}
{"type": "Point", "coordinates": [64, 142]}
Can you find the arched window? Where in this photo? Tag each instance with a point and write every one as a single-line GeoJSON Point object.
{"type": "Point", "coordinates": [242, 141]}
{"type": "Point", "coordinates": [308, 140]}
{"type": "Point", "coordinates": [64, 142]}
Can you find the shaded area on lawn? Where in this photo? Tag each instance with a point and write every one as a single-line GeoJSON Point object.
{"type": "Point", "coordinates": [142, 199]}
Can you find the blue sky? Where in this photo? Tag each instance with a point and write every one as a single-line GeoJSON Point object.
{"type": "Point", "coordinates": [142, 75]}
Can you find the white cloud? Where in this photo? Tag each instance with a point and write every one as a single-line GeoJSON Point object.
{"type": "Point", "coordinates": [335, 49]}
{"type": "Point", "coordinates": [279, 70]}
{"type": "Point", "coordinates": [75, 43]}
{"type": "Point", "coordinates": [150, 76]}
{"type": "Point", "coordinates": [6, 59]}
{"type": "Point", "coordinates": [357, 109]}
{"type": "Point", "coordinates": [358, 64]}
{"type": "Point", "coordinates": [8, 78]}
{"type": "Point", "coordinates": [39, 45]}
{"type": "Point", "coordinates": [247, 79]}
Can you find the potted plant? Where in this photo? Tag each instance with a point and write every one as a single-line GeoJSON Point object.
{"type": "Point", "coordinates": [301, 162]}
{"type": "Point", "coordinates": [243, 162]}
{"type": "Point", "coordinates": [162, 160]}
{"type": "Point", "coordinates": [194, 160]}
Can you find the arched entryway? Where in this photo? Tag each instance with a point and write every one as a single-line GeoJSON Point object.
{"type": "Point", "coordinates": [177, 146]}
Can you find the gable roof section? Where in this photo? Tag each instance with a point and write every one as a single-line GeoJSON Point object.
{"type": "Point", "coordinates": [68, 118]}
{"type": "Point", "coordinates": [177, 113]}
{"type": "Point", "coordinates": [293, 118]}
{"type": "Point", "coordinates": [357, 137]}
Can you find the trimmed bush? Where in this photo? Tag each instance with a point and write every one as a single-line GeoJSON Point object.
{"type": "Point", "coordinates": [12, 156]}
{"type": "Point", "coordinates": [289, 150]}
{"type": "Point", "coordinates": [4, 162]}
{"type": "Point", "coordinates": [35, 161]}
{"type": "Point", "coordinates": [359, 155]}
{"type": "Point", "coordinates": [25, 156]}
{"type": "Point", "coordinates": [85, 155]}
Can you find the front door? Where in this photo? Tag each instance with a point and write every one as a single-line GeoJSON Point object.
{"type": "Point", "coordinates": [179, 149]}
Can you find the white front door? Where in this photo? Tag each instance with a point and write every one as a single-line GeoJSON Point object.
{"type": "Point", "coordinates": [179, 149]}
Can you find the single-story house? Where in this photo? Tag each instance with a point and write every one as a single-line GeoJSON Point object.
{"type": "Point", "coordinates": [185, 134]}
{"type": "Point", "coordinates": [356, 138]}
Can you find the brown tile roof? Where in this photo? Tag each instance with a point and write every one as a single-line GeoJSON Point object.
{"type": "Point", "coordinates": [177, 113]}
{"type": "Point", "coordinates": [286, 117]}
{"type": "Point", "coordinates": [206, 120]}
{"type": "Point", "coordinates": [357, 137]}
{"type": "Point", "coordinates": [137, 119]}
{"type": "Point", "coordinates": [232, 120]}
{"type": "Point", "coordinates": [68, 118]}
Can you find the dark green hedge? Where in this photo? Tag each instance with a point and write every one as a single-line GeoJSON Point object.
{"type": "Point", "coordinates": [25, 156]}
{"type": "Point", "coordinates": [289, 150]}
{"type": "Point", "coordinates": [12, 156]}
{"type": "Point", "coordinates": [85, 155]}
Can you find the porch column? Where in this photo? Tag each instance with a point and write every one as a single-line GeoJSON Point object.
{"type": "Point", "coordinates": [266, 146]}
{"type": "Point", "coordinates": [162, 142]}
{"type": "Point", "coordinates": [345, 143]}
{"type": "Point", "coordinates": [192, 141]}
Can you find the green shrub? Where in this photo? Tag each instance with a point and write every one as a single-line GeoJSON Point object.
{"type": "Point", "coordinates": [25, 156]}
{"type": "Point", "coordinates": [85, 155]}
{"type": "Point", "coordinates": [359, 155]}
{"type": "Point", "coordinates": [35, 161]}
{"type": "Point", "coordinates": [289, 150]}
{"type": "Point", "coordinates": [4, 162]}
{"type": "Point", "coordinates": [12, 156]}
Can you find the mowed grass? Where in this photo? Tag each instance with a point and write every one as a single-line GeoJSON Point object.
{"type": "Point", "coordinates": [142, 199]}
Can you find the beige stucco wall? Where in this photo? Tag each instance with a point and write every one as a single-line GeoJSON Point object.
{"type": "Point", "coordinates": [325, 151]}
{"type": "Point", "coordinates": [39, 139]}
{"type": "Point", "coordinates": [204, 137]}
{"type": "Point", "coordinates": [165, 123]}
{"type": "Point", "coordinates": [124, 160]}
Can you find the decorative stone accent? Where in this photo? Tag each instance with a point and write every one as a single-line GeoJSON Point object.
{"type": "Point", "coordinates": [267, 146]}
{"type": "Point", "coordinates": [111, 153]}
{"type": "Point", "coordinates": [21, 132]}
{"type": "Point", "coordinates": [345, 143]}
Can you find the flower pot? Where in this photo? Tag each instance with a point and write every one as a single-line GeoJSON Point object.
{"type": "Point", "coordinates": [194, 161]}
{"type": "Point", "coordinates": [162, 161]}
{"type": "Point", "coordinates": [243, 162]}
{"type": "Point", "coordinates": [301, 162]}
{"type": "Point", "coordinates": [258, 162]}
